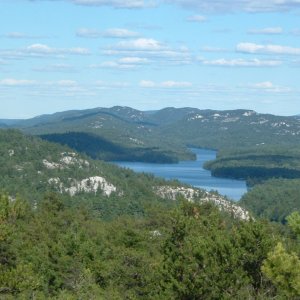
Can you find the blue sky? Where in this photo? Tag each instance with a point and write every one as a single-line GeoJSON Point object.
{"type": "Point", "coordinates": [75, 54]}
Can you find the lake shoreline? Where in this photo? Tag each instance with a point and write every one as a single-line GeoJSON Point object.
{"type": "Point", "coordinates": [192, 172]}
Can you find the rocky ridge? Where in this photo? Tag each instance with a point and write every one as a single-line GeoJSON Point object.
{"type": "Point", "coordinates": [193, 195]}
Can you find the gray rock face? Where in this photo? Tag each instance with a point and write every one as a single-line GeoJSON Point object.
{"type": "Point", "coordinates": [191, 194]}
{"type": "Point", "coordinates": [88, 185]}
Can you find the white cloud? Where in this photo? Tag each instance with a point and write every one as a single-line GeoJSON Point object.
{"type": "Point", "coordinates": [267, 49]}
{"type": "Point", "coordinates": [16, 35]}
{"type": "Point", "coordinates": [268, 86]}
{"type": "Point", "coordinates": [89, 33]}
{"type": "Point", "coordinates": [118, 84]}
{"type": "Point", "coordinates": [221, 6]}
{"type": "Point", "coordinates": [264, 85]}
{"type": "Point", "coordinates": [150, 49]}
{"type": "Point", "coordinates": [67, 83]}
{"type": "Point", "coordinates": [78, 51]}
{"type": "Point", "coordinates": [113, 65]}
{"type": "Point", "coordinates": [147, 84]}
{"type": "Point", "coordinates": [109, 33]}
{"type": "Point", "coordinates": [16, 82]}
{"type": "Point", "coordinates": [213, 49]}
{"type": "Point", "coordinates": [117, 3]}
{"type": "Point", "coordinates": [56, 68]}
{"type": "Point", "coordinates": [133, 60]}
{"type": "Point", "coordinates": [267, 30]}
{"type": "Point", "coordinates": [208, 6]}
{"type": "Point", "coordinates": [122, 63]}
{"type": "Point", "coordinates": [176, 84]}
{"type": "Point", "coordinates": [42, 49]}
{"type": "Point", "coordinates": [165, 84]}
{"type": "Point", "coordinates": [143, 26]}
{"type": "Point", "coordinates": [238, 62]}
{"type": "Point", "coordinates": [119, 33]}
{"type": "Point", "coordinates": [21, 35]}
{"type": "Point", "coordinates": [196, 18]}
{"type": "Point", "coordinates": [141, 44]}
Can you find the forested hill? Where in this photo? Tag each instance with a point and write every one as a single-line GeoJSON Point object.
{"type": "Point", "coordinates": [75, 228]}
{"type": "Point", "coordinates": [251, 146]}
{"type": "Point", "coordinates": [257, 164]}
{"type": "Point", "coordinates": [32, 167]}
{"type": "Point", "coordinates": [123, 133]}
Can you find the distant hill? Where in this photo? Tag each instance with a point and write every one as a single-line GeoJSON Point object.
{"type": "Point", "coordinates": [172, 129]}
{"type": "Point", "coordinates": [124, 127]}
{"type": "Point", "coordinates": [163, 136]}
{"type": "Point", "coordinates": [9, 122]}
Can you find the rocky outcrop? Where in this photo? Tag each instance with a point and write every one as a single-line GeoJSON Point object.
{"type": "Point", "coordinates": [88, 185]}
{"type": "Point", "coordinates": [191, 194]}
{"type": "Point", "coordinates": [171, 193]}
{"type": "Point", "coordinates": [67, 159]}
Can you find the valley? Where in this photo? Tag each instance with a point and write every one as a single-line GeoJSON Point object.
{"type": "Point", "coordinates": [149, 150]}
{"type": "Point", "coordinates": [193, 173]}
{"type": "Point", "coordinates": [250, 146]}
{"type": "Point", "coordinates": [60, 191]}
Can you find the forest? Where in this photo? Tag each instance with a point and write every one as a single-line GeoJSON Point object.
{"type": "Point", "coordinates": [257, 165]}
{"type": "Point", "coordinates": [62, 240]}
{"type": "Point", "coordinates": [100, 148]}
{"type": "Point", "coordinates": [274, 199]}
{"type": "Point", "coordinates": [149, 150]}
{"type": "Point", "coordinates": [193, 251]}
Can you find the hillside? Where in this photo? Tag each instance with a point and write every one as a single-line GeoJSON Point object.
{"type": "Point", "coordinates": [257, 164]}
{"type": "Point", "coordinates": [77, 228]}
{"type": "Point", "coordinates": [124, 133]}
{"type": "Point", "coordinates": [234, 128]}
{"type": "Point", "coordinates": [73, 227]}
{"type": "Point", "coordinates": [274, 200]}
{"type": "Point", "coordinates": [250, 145]}
{"type": "Point", "coordinates": [32, 167]}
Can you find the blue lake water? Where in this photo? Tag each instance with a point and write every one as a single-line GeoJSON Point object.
{"type": "Point", "coordinates": [192, 172]}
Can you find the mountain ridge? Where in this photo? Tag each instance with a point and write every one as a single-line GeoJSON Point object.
{"type": "Point", "coordinates": [9, 121]}
{"type": "Point", "coordinates": [170, 131]}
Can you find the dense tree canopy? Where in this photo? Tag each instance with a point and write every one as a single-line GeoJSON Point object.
{"type": "Point", "coordinates": [191, 252]}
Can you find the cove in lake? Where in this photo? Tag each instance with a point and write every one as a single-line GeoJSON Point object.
{"type": "Point", "coordinates": [192, 172]}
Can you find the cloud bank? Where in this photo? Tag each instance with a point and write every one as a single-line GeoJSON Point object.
{"type": "Point", "coordinates": [207, 6]}
{"type": "Point", "coordinates": [267, 49]}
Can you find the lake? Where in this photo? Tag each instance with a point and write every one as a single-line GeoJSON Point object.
{"type": "Point", "coordinates": [192, 172]}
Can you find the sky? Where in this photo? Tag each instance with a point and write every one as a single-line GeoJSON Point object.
{"type": "Point", "coordinates": [59, 55]}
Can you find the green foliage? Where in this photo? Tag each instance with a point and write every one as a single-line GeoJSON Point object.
{"type": "Point", "coordinates": [283, 269]}
{"type": "Point", "coordinates": [294, 222]}
{"type": "Point", "coordinates": [254, 240]}
{"type": "Point", "coordinates": [133, 244]}
{"type": "Point", "coordinates": [274, 199]}
{"type": "Point", "coordinates": [257, 165]}
{"type": "Point", "coordinates": [119, 133]}
{"type": "Point", "coordinates": [22, 160]}
{"type": "Point", "coordinates": [207, 257]}
{"type": "Point", "coordinates": [54, 251]}
{"type": "Point", "coordinates": [60, 252]}
{"type": "Point", "coordinates": [100, 148]}
{"type": "Point", "coordinates": [170, 129]}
